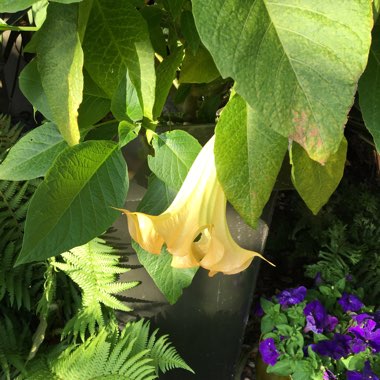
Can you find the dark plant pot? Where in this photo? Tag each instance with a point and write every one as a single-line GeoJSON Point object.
{"type": "Point", "coordinates": [207, 323]}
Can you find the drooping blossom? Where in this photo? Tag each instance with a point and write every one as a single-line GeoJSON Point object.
{"type": "Point", "coordinates": [317, 319]}
{"type": "Point", "coordinates": [290, 297]}
{"type": "Point", "coordinates": [366, 335]}
{"type": "Point", "coordinates": [338, 347]}
{"type": "Point", "coordinates": [198, 209]}
{"type": "Point", "coordinates": [268, 351]}
{"type": "Point", "coordinates": [349, 302]}
{"type": "Point", "coordinates": [366, 374]}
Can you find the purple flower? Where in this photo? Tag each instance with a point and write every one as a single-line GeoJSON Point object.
{"type": "Point", "coordinates": [317, 319]}
{"type": "Point", "coordinates": [366, 335]}
{"type": "Point", "coordinates": [336, 348]}
{"type": "Point", "coordinates": [290, 297]}
{"type": "Point", "coordinates": [257, 310]}
{"type": "Point", "coordinates": [318, 280]}
{"type": "Point", "coordinates": [269, 351]}
{"type": "Point", "coordinates": [349, 302]}
{"type": "Point", "coordinates": [366, 374]}
{"type": "Point", "coordinates": [328, 375]}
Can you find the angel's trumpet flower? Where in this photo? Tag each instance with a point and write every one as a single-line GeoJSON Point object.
{"type": "Point", "coordinates": [194, 227]}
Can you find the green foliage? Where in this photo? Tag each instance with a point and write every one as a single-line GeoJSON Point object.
{"type": "Point", "coordinates": [96, 277]}
{"type": "Point", "coordinates": [38, 301]}
{"type": "Point", "coordinates": [369, 88]}
{"type": "Point", "coordinates": [248, 166]}
{"type": "Point", "coordinates": [36, 150]}
{"type": "Point", "coordinates": [174, 152]}
{"type": "Point", "coordinates": [349, 243]}
{"type": "Point", "coordinates": [291, 62]}
{"type": "Point", "coordinates": [59, 62]}
{"type": "Point", "coordinates": [14, 342]}
{"type": "Point", "coordinates": [54, 227]}
{"type": "Point", "coordinates": [129, 354]}
{"type": "Point", "coordinates": [313, 181]}
{"type": "Point", "coordinates": [15, 285]}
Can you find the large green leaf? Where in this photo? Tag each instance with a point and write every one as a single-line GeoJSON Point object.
{"type": "Point", "coordinates": [248, 158]}
{"type": "Point", "coordinates": [297, 62]}
{"type": "Point", "coordinates": [125, 102]}
{"type": "Point", "coordinates": [174, 7]}
{"type": "Point", "coordinates": [171, 281]}
{"type": "Point", "coordinates": [33, 154]}
{"type": "Point", "coordinates": [166, 72]}
{"type": "Point", "coordinates": [91, 110]}
{"type": "Point", "coordinates": [60, 63]}
{"type": "Point", "coordinates": [313, 181]}
{"type": "Point", "coordinates": [174, 153]}
{"type": "Point", "coordinates": [74, 202]}
{"type": "Point", "coordinates": [15, 5]}
{"type": "Point", "coordinates": [117, 39]}
{"type": "Point", "coordinates": [198, 67]}
{"type": "Point", "coordinates": [369, 89]}
{"type": "Point", "coordinates": [31, 86]}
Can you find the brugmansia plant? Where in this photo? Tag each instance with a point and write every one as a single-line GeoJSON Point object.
{"type": "Point", "coordinates": [280, 77]}
{"type": "Point", "coordinates": [73, 296]}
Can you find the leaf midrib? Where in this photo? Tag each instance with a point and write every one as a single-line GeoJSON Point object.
{"type": "Point", "coordinates": [64, 211]}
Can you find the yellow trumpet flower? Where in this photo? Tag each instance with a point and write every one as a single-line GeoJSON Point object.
{"type": "Point", "coordinates": [199, 209]}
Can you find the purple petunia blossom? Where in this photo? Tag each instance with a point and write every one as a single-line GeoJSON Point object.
{"type": "Point", "coordinates": [290, 297]}
{"type": "Point", "coordinates": [318, 280]}
{"type": "Point", "coordinates": [269, 351]}
{"type": "Point", "coordinates": [366, 374]}
{"type": "Point", "coordinates": [350, 302]}
{"type": "Point", "coordinates": [336, 348]}
{"type": "Point", "coordinates": [317, 319]}
{"type": "Point", "coordinates": [367, 334]}
{"type": "Point", "coordinates": [328, 375]}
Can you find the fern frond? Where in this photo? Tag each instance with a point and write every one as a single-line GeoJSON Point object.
{"type": "Point", "coordinates": [8, 134]}
{"type": "Point", "coordinates": [164, 355]}
{"type": "Point", "coordinates": [14, 343]}
{"type": "Point", "coordinates": [104, 356]}
{"type": "Point", "coordinates": [94, 268]}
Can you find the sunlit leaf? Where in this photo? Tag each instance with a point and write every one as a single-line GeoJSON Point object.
{"type": "Point", "coordinates": [74, 202]}
{"type": "Point", "coordinates": [248, 158]}
{"type": "Point", "coordinates": [297, 62]}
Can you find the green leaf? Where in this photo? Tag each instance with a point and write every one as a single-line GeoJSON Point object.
{"type": "Point", "coordinates": [369, 89]}
{"type": "Point", "coordinates": [166, 72]}
{"type": "Point", "coordinates": [33, 154]}
{"type": "Point", "coordinates": [91, 110]}
{"type": "Point", "coordinates": [171, 281]}
{"type": "Point", "coordinates": [376, 9]}
{"type": "Point", "coordinates": [304, 370]}
{"type": "Point", "coordinates": [174, 153]}
{"type": "Point", "coordinates": [282, 367]}
{"type": "Point", "coordinates": [174, 7]}
{"type": "Point", "coordinates": [66, 1]}
{"type": "Point", "coordinates": [60, 62]}
{"type": "Point", "coordinates": [189, 31]}
{"type": "Point", "coordinates": [111, 47]}
{"type": "Point", "coordinates": [31, 86]}
{"type": "Point", "coordinates": [198, 67]}
{"type": "Point", "coordinates": [313, 181]}
{"type": "Point", "coordinates": [127, 132]}
{"type": "Point", "coordinates": [248, 158]}
{"type": "Point", "coordinates": [74, 202]}
{"type": "Point", "coordinates": [154, 17]}
{"type": "Point", "coordinates": [15, 5]}
{"type": "Point", "coordinates": [297, 62]}
{"type": "Point", "coordinates": [125, 102]}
